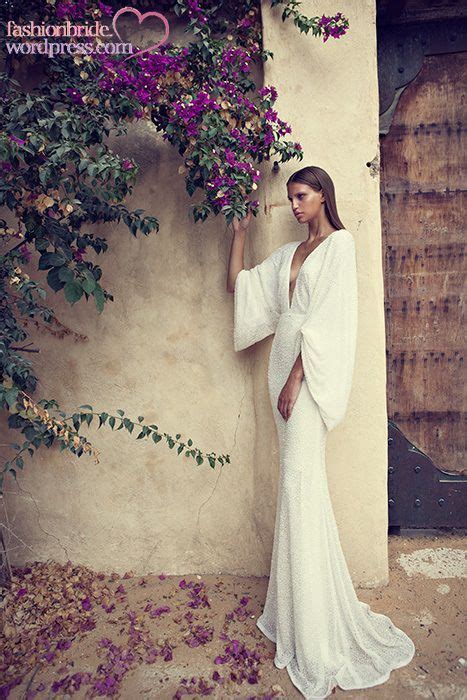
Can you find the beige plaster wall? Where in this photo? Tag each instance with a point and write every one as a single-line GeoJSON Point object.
{"type": "Point", "coordinates": [328, 92]}
{"type": "Point", "coordinates": [163, 349]}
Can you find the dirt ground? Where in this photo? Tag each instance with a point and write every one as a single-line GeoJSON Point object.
{"type": "Point", "coordinates": [166, 636]}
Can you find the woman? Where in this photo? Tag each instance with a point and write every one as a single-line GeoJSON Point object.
{"type": "Point", "coordinates": [306, 293]}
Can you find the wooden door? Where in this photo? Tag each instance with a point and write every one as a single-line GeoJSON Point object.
{"type": "Point", "coordinates": [423, 188]}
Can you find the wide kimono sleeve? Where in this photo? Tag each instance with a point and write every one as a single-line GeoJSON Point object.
{"type": "Point", "coordinates": [256, 302]}
{"type": "Point", "coordinates": [329, 333]}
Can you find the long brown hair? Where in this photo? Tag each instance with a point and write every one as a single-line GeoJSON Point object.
{"type": "Point", "coordinates": [318, 179]}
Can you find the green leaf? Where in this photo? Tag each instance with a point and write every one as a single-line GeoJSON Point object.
{"type": "Point", "coordinates": [73, 291]}
{"type": "Point", "coordinates": [112, 422]}
{"type": "Point", "coordinates": [88, 284]}
{"type": "Point", "coordinates": [10, 396]}
{"type": "Point", "coordinates": [156, 437]}
{"type": "Point", "coordinates": [53, 279]}
{"type": "Point", "coordinates": [129, 425]}
{"type": "Point", "coordinates": [48, 260]}
{"type": "Point", "coordinates": [65, 274]}
{"type": "Point", "coordinates": [99, 297]}
{"type": "Point", "coordinates": [83, 165]}
{"type": "Point", "coordinates": [86, 405]}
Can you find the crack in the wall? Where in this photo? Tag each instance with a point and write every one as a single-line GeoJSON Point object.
{"type": "Point", "coordinates": [239, 415]}
{"type": "Point", "coordinates": [208, 498]}
{"type": "Point", "coordinates": [233, 446]}
{"type": "Point", "coordinates": [49, 534]}
{"type": "Point", "coordinates": [6, 526]}
{"type": "Point", "coordinates": [146, 560]}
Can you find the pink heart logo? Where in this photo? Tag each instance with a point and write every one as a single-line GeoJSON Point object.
{"type": "Point", "coordinates": [141, 18]}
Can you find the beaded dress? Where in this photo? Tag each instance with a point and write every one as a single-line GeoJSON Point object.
{"type": "Point", "coordinates": [324, 635]}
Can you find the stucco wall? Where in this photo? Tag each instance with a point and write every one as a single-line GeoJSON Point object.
{"type": "Point", "coordinates": [164, 350]}
{"type": "Point", "coordinates": [328, 92]}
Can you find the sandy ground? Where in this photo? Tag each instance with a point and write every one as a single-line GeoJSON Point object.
{"type": "Point", "coordinates": [425, 597]}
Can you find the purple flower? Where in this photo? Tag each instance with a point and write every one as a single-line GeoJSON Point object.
{"type": "Point", "coordinates": [16, 139]}
{"type": "Point", "coordinates": [63, 644]}
{"type": "Point", "coordinates": [333, 26]}
{"type": "Point", "coordinates": [270, 115]}
{"type": "Point", "coordinates": [230, 157]}
{"type": "Point", "coordinates": [195, 11]}
{"type": "Point", "coordinates": [268, 91]}
{"type": "Point", "coordinates": [105, 642]}
{"type": "Point", "coordinates": [25, 252]}
{"type": "Point", "coordinates": [105, 9]}
{"type": "Point", "coordinates": [5, 689]}
{"type": "Point", "coordinates": [88, 624]}
{"type": "Point", "coordinates": [75, 96]}
{"type": "Point", "coordinates": [143, 96]}
{"type": "Point", "coordinates": [158, 611]}
{"type": "Point", "coordinates": [245, 23]}
{"type": "Point", "coordinates": [72, 10]}
{"type": "Point", "coordinates": [78, 256]}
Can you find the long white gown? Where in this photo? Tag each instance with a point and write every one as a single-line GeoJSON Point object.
{"type": "Point", "coordinates": [323, 634]}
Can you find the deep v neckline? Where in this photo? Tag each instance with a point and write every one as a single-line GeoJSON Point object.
{"type": "Point", "coordinates": [295, 248]}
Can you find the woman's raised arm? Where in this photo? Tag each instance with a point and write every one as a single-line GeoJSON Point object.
{"type": "Point", "coordinates": [236, 260]}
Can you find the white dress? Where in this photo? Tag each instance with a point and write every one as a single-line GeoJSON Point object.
{"type": "Point", "coordinates": [323, 634]}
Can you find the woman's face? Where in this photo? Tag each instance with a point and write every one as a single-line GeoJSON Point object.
{"type": "Point", "coordinates": [306, 202]}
